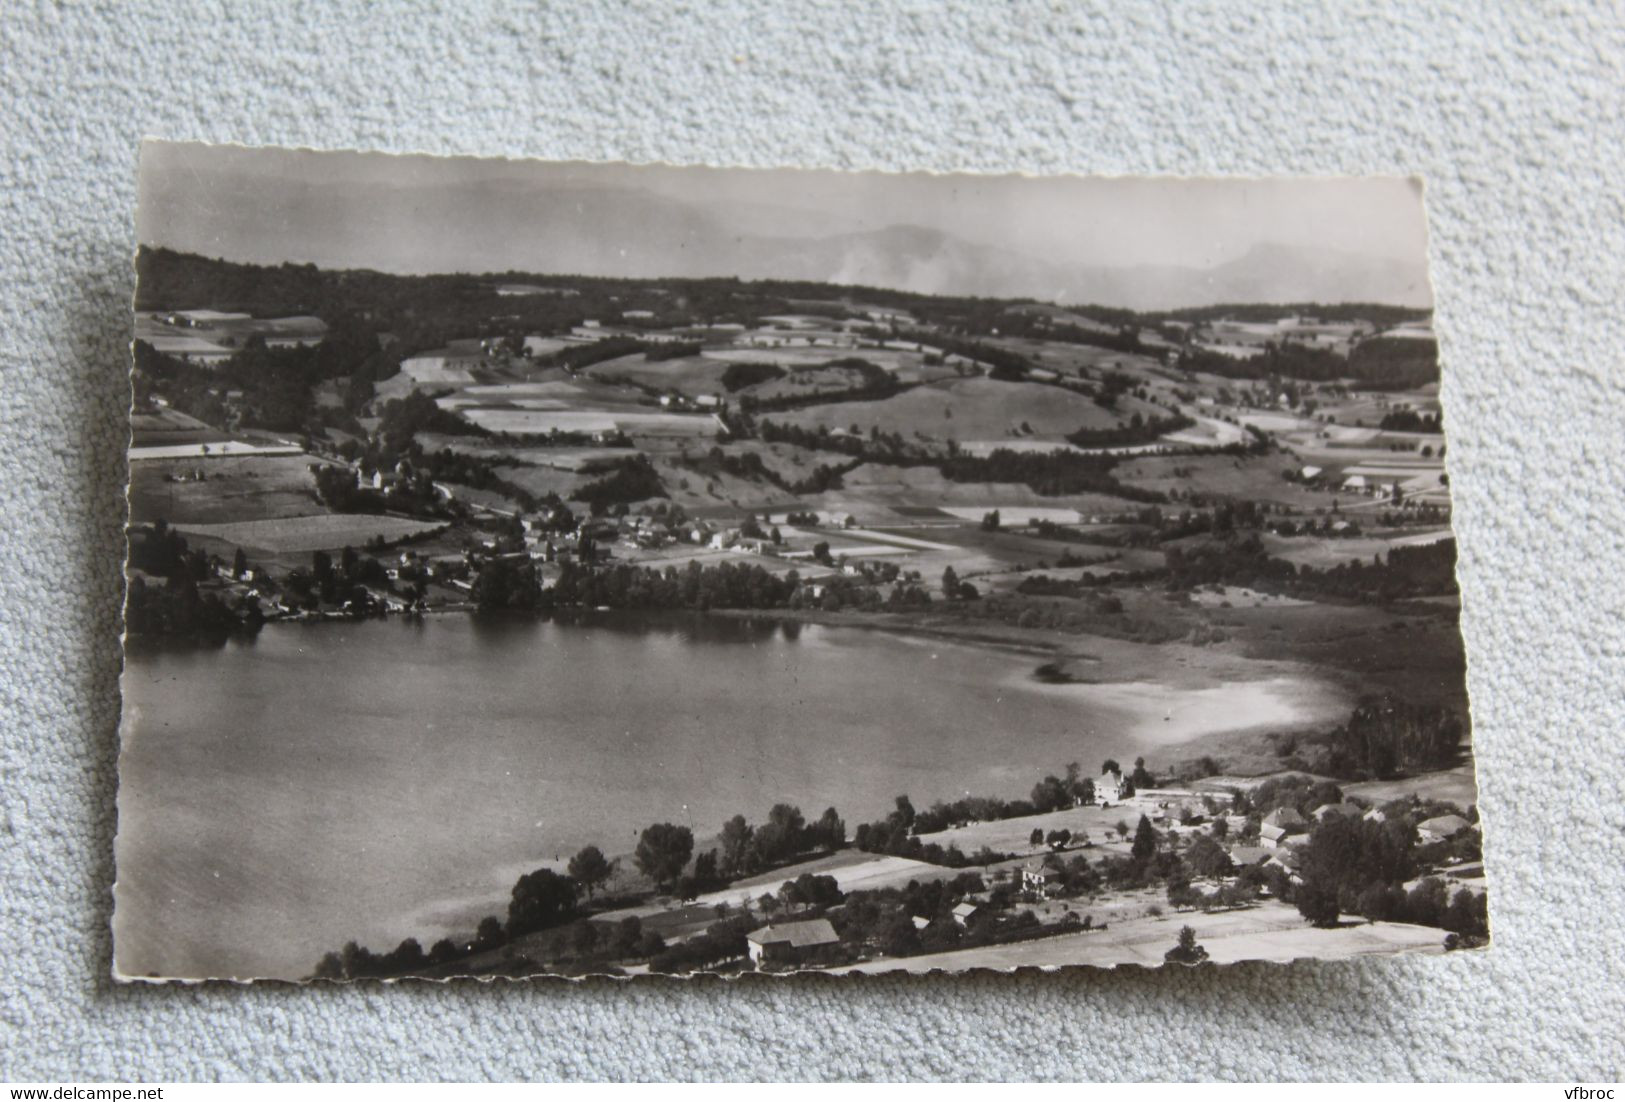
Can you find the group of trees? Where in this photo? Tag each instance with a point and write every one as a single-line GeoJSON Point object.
{"type": "Point", "coordinates": [748, 849]}
{"type": "Point", "coordinates": [869, 383]}
{"type": "Point", "coordinates": [1360, 867]}
{"type": "Point", "coordinates": [330, 583]}
{"type": "Point", "coordinates": [508, 583]}
{"type": "Point", "coordinates": [1051, 474]}
{"type": "Point", "coordinates": [178, 608]}
{"type": "Point", "coordinates": [1054, 793]}
{"type": "Point", "coordinates": [1376, 363]}
{"type": "Point", "coordinates": [1240, 559]}
{"type": "Point", "coordinates": [696, 586]}
{"type": "Point", "coordinates": [1139, 430]}
{"type": "Point", "coordinates": [1409, 420]}
{"type": "Point", "coordinates": [1387, 735]}
{"type": "Point", "coordinates": [629, 479]}
{"type": "Point", "coordinates": [739, 375]}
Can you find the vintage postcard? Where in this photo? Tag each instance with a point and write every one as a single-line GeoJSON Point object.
{"type": "Point", "coordinates": [590, 569]}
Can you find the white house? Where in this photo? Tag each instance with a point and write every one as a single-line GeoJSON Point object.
{"type": "Point", "coordinates": [965, 912]}
{"type": "Point", "coordinates": [1109, 788]}
{"type": "Point", "coordinates": [1034, 877]}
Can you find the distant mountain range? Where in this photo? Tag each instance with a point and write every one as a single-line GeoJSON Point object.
{"type": "Point", "coordinates": [930, 262]}
{"type": "Point", "coordinates": [632, 232]}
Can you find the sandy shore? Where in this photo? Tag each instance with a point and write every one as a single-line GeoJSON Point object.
{"type": "Point", "coordinates": [1168, 694]}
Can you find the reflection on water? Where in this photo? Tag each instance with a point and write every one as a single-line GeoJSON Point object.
{"type": "Point", "coordinates": [328, 781]}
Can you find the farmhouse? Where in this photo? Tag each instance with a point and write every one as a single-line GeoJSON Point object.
{"type": "Point", "coordinates": [1344, 810]}
{"type": "Point", "coordinates": [1289, 862]}
{"type": "Point", "coordinates": [1109, 788]}
{"type": "Point", "coordinates": [1277, 825]}
{"type": "Point", "coordinates": [790, 942]}
{"type": "Point", "coordinates": [1244, 856]}
{"type": "Point", "coordinates": [964, 913]}
{"type": "Point", "coordinates": [1441, 827]}
{"type": "Point", "coordinates": [1034, 877]}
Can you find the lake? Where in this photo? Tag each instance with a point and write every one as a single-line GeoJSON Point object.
{"type": "Point", "coordinates": [391, 778]}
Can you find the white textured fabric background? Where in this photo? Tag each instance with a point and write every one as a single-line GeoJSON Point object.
{"type": "Point", "coordinates": [1513, 114]}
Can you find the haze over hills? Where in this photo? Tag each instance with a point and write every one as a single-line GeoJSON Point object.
{"type": "Point", "coordinates": [587, 228]}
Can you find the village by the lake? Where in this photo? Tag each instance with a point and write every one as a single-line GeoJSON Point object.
{"type": "Point", "coordinates": [509, 622]}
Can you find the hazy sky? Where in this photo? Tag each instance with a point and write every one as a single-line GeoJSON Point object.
{"type": "Point", "coordinates": [425, 214]}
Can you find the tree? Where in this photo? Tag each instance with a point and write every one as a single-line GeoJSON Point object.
{"type": "Point", "coordinates": [663, 851]}
{"type": "Point", "coordinates": [1051, 794]}
{"type": "Point", "coordinates": [1207, 858]}
{"type": "Point", "coordinates": [736, 845]}
{"type": "Point", "coordinates": [489, 934]}
{"type": "Point", "coordinates": [590, 869]}
{"type": "Point", "coordinates": [990, 521]}
{"type": "Point", "coordinates": [705, 871]}
{"type": "Point", "coordinates": [812, 890]}
{"type": "Point", "coordinates": [821, 551]}
{"type": "Point", "coordinates": [783, 835]}
{"type": "Point", "coordinates": [1058, 839]}
{"type": "Point", "coordinates": [540, 899]}
{"type": "Point", "coordinates": [1036, 837]}
{"type": "Point", "coordinates": [1145, 841]}
{"type": "Point", "coordinates": [239, 564]}
{"type": "Point", "coordinates": [1317, 901]}
{"type": "Point", "coordinates": [1110, 766]}
{"type": "Point", "coordinates": [950, 583]}
{"type": "Point", "coordinates": [830, 830]}
{"type": "Point", "coordinates": [1187, 951]}
{"type": "Point", "coordinates": [1141, 777]}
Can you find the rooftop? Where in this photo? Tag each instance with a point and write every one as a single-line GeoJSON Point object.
{"type": "Point", "coordinates": [799, 935]}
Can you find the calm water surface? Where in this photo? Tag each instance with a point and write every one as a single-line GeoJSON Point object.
{"type": "Point", "coordinates": [391, 778]}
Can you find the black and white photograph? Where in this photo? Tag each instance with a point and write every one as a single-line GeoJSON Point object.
{"type": "Point", "coordinates": [587, 569]}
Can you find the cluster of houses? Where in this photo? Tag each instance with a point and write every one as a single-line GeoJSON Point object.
{"type": "Point", "coordinates": [707, 403]}
{"type": "Point", "coordinates": [1245, 339]}
{"type": "Point", "coordinates": [1282, 832]}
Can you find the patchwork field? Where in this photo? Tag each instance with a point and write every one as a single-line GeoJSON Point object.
{"type": "Point", "coordinates": [539, 422]}
{"type": "Point", "coordinates": [1254, 478]}
{"type": "Point", "coordinates": [236, 488]}
{"type": "Point", "coordinates": [1321, 552]}
{"type": "Point", "coordinates": [687, 375]}
{"type": "Point", "coordinates": [309, 533]}
{"type": "Point", "coordinates": [872, 493]}
{"type": "Point", "coordinates": [967, 409]}
{"type": "Point", "coordinates": [168, 427]}
{"type": "Point", "coordinates": [1268, 931]}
